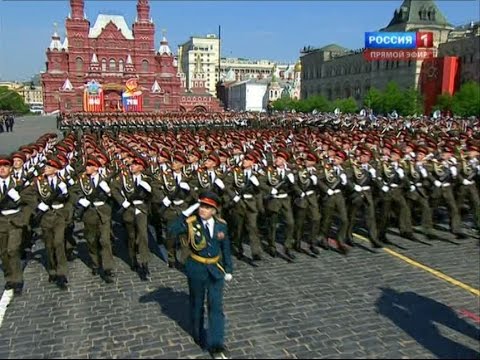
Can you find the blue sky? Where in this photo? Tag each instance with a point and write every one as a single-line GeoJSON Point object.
{"type": "Point", "coordinates": [274, 30]}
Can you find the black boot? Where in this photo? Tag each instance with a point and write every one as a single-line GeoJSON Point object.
{"type": "Point", "coordinates": [289, 254]}
{"type": "Point", "coordinates": [62, 282]}
{"type": "Point", "coordinates": [108, 276]}
{"type": "Point", "coordinates": [314, 250]}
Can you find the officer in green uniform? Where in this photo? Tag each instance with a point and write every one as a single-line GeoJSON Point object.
{"type": "Point", "coordinates": [205, 247]}
{"type": "Point", "coordinates": [94, 196]}
{"type": "Point", "coordinates": [14, 196]}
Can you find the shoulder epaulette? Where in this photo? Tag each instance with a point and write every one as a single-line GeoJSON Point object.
{"type": "Point", "coordinates": [191, 219]}
{"type": "Point", "coordinates": [220, 220]}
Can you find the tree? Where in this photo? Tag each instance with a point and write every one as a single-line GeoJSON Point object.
{"type": "Point", "coordinates": [392, 98]}
{"type": "Point", "coordinates": [411, 103]}
{"type": "Point", "coordinates": [346, 106]}
{"type": "Point", "coordinates": [12, 101]}
{"type": "Point", "coordinates": [373, 100]}
{"type": "Point", "coordinates": [444, 103]}
{"type": "Point", "coordinates": [466, 102]}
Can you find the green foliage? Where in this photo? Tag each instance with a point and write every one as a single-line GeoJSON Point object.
{"type": "Point", "coordinates": [12, 101]}
{"type": "Point", "coordinates": [313, 102]}
{"type": "Point", "coordinates": [346, 106]}
{"type": "Point", "coordinates": [374, 100]}
{"type": "Point", "coordinates": [444, 102]}
{"type": "Point", "coordinates": [466, 101]}
{"type": "Point", "coordinates": [405, 102]}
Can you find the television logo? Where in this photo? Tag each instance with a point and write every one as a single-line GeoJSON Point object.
{"type": "Point", "coordinates": [398, 40]}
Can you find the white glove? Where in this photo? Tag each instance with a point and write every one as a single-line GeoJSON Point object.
{"type": "Point", "coordinates": [385, 188]}
{"type": "Point", "coordinates": [302, 195]}
{"type": "Point", "coordinates": [314, 179]}
{"type": "Point", "coordinates": [373, 172]}
{"type": "Point", "coordinates": [453, 170]}
{"type": "Point", "coordinates": [236, 199]}
{"type": "Point", "coordinates": [437, 183]}
{"type": "Point", "coordinates": [254, 180]}
{"type": "Point", "coordinates": [14, 195]}
{"type": "Point", "coordinates": [71, 182]}
{"type": "Point", "coordinates": [291, 178]}
{"type": "Point", "coordinates": [343, 177]}
{"type": "Point", "coordinates": [84, 202]}
{"type": "Point", "coordinates": [274, 191]}
{"type": "Point", "coordinates": [330, 192]}
{"type": "Point", "coordinates": [126, 204]}
{"type": "Point", "coordinates": [400, 173]}
{"type": "Point", "coordinates": [184, 186]}
{"type": "Point", "coordinates": [191, 210]}
{"type": "Point", "coordinates": [104, 186]}
{"type": "Point", "coordinates": [166, 201]}
{"type": "Point", "coordinates": [219, 183]}
{"type": "Point", "coordinates": [412, 187]}
{"type": "Point", "coordinates": [63, 187]}
{"type": "Point", "coordinates": [467, 182]}
{"type": "Point", "coordinates": [357, 188]}
{"type": "Point", "coordinates": [137, 211]}
{"type": "Point", "coordinates": [145, 185]}
{"type": "Point", "coordinates": [43, 207]}
{"type": "Point", "coordinates": [423, 171]}
{"type": "Point", "coordinates": [228, 277]}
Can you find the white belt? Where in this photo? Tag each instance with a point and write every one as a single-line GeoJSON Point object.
{"type": "Point", "coordinates": [337, 191]}
{"type": "Point", "coordinates": [247, 196]}
{"type": "Point", "coordinates": [418, 184]}
{"type": "Point", "coordinates": [365, 188]}
{"type": "Point", "coordinates": [137, 202]}
{"type": "Point", "coordinates": [393, 186]}
{"type": "Point", "coordinates": [280, 196]}
{"type": "Point", "coordinates": [98, 203]}
{"type": "Point", "coordinates": [310, 192]}
{"type": "Point", "coordinates": [57, 206]}
{"type": "Point", "coordinates": [178, 202]}
{"type": "Point", "coordinates": [446, 185]}
{"type": "Point", "coordinates": [10, 212]}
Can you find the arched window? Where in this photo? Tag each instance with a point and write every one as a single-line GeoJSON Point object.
{"type": "Point", "coordinates": [120, 65]}
{"type": "Point", "coordinates": [145, 66]}
{"type": "Point", "coordinates": [104, 64]}
{"type": "Point", "coordinates": [79, 64]}
{"type": "Point", "coordinates": [112, 65]}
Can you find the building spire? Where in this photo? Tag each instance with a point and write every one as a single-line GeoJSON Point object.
{"type": "Point", "coordinates": [164, 48]}
{"type": "Point", "coordinates": [55, 43]}
{"type": "Point", "coordinates": [143, 11]}
{"type": "Point", "coordinates": [78, 10]}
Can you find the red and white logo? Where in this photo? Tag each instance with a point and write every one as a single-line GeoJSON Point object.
{"type": "Point", "coordinates": [424, 39]}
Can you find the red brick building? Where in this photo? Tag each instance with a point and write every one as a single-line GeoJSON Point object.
{"type": "Point", "coordinates": [110, 67]}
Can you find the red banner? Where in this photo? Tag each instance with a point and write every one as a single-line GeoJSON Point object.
{"type": "Point", "coordinates": [93, 103]}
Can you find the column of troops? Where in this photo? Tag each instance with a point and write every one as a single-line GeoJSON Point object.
{"type": "Point", "coordinates": [301, 180]}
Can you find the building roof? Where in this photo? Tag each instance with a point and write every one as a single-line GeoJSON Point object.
{"type": "Point", "coordinates": [333, 47]}
{"type": "Point", "coordinates": [103, 20]}
{"type": "Point", "coordinates": [418, 12]}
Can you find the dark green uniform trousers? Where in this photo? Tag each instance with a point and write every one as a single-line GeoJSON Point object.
{"type": "Point", "coordinates": [97, 233]}
{"type": "Point", "coordinates": [334, 204]}
{"type": "Point", "coordinates": [469, 194]}
{"type": "Point", "coordinates": [244, 222]}
{"type": "Point", "coordinates": [418, 200]}
{"type": "Point", "coordinates": [137, 231]}
{"type": "Point", "coordinates": [10, 246]}
{"type": "Point", "coordinates": [309, 213]}
{"type": "Point", "coordinates": [282, 209]}
{"type": "Point", "coordinates": [391, 200]}
{"type": "Point", "coordinates": [445, 194]}
{"type": "Point", "coordinates": [53, 234]}
{"type": "Point", "coordinates": [362, 200]}
{"type": "Point", "coordinates": [169, 216]}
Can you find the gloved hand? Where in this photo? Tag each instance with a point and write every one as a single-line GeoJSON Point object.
{"type": "Point", "coordinates": [236, 198]}
{"type": "Point", "coordinates": [274, 191]}
{"type": "Point", "coordinates": [184, 186]}
{"type": "Point", "coordinates": [126, 204]}
{"type": "Point", "coordinates": [385, 188]}
{"type": "Point", "coordinates": [84, 202]}
{"type": "Point", "coordinates": [219, 183]}
{"type": "Point", "coordinates": [104, 186]}
{"type": "Point", "coordinates": [314, 179]}
{"type": "Point", "coordinates": [43, 207]}
{"type": "Point", "coordinates": [467, 182]}
{"type": "Point", "coordinates": [146, 185]}
{"type": "Point", "coordinates": [412, 187]}
{"type": "Point", "coordinates": [357, 188]}
{"type": "Point", "coordinates": [166, 201]}
{"type": "Point", "coordinates": [400, 173]}
{"type": "Point", "coordinates": [63, 187]}
{"type": "Point", "coordinates": [254, 180]}
{"type": "Point", "coordinates": [330, 192]}
{"type": "Point", "coordinates": [302, 195]}
{"type": "Point", "coordinates": [291, 178]}
{"type": "Point", "coordinates": [453, 171]}
{"type": "Point", "coordinates": [373, 172]}
{"type": "Point", "coordinates": [228, 277]}
{"type": "Point", "coordinates": [191, 210]}
{"type": "Point", "coordinates": [14, 195]}
{"type": "Point", "coordinates": [437, 183]}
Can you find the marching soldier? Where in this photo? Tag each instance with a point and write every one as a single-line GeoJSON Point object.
{"type": "Point", "coordinates": [332, 183]}
{"type": "Point", "coordinates": [52, 195]}
{"type": "Point", "coordinates": [132, 190]}
{"type": "Point", "coordinates": [94, 196]}
{"type": "Point", "coordinates": [468, 173]}
{"type": "Point", "coordinates": [177, 196]}
{"type": "Point", "coordinates": [240, 198]}
{"type": "Point", "coordinates": [14, 196]}
{"type": "Point", "coordinates": [205, 248]}
{"type": "Point", "coordinates": [306, 203]}
{"type": "Point", "coordinates": [362, 182]}
{"type": "Point", "coordinates": [280, 182]}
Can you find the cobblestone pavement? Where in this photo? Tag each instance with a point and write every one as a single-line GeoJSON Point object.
{"type": "Point", "coordinates": [26, 130]}
{"type": "Point", "coordinates": [365, 305]}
